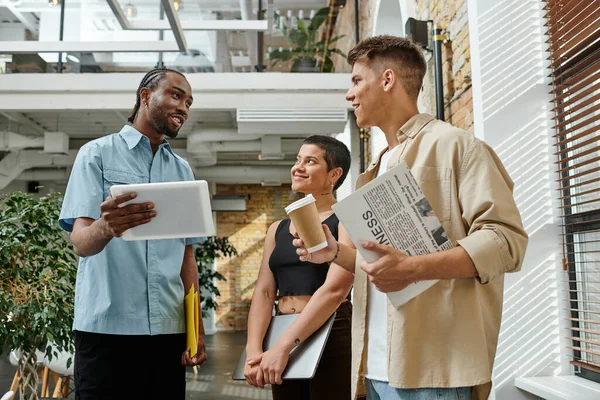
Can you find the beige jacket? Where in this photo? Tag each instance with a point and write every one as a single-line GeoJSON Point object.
{"type": "Point", "coordinates": [447, 336]}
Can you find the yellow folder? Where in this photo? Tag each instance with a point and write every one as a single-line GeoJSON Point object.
{"type": "Point", "coordinates": [192, 320]}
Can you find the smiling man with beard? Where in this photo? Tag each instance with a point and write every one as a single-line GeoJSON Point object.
{"type": "Point", "coordinates": [129, 317]}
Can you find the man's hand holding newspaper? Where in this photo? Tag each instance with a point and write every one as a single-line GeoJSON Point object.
{"type": "Point", "coordinates": [393, 226]}
{"type": "Point", "coordinates": [392, 272]}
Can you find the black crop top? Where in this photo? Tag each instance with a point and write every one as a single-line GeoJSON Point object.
{"type": "Point", "coordinates": [292, 276]}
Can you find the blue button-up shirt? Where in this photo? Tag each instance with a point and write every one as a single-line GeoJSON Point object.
{"type": "Point", "coordinates": [131, 287]}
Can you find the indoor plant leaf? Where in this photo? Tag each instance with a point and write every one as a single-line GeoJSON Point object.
{"type": "Point", "coordinates": [206, 253]}
{"type": "Point", "coordinates": [306, 53]}
{"type": "Point", "coordinates": [299, 38]}
{"type": "Point", "coordinates": [37, 276]}
{"type": "Point", "coordinates": [327, 65]}
{"type": "Point", "coordinates": [319, 18]}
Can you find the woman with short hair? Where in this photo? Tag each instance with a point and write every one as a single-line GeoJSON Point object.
{"type": "Point", "coordinates": [315, 291]}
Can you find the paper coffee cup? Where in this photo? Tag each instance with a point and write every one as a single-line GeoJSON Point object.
{"type": "Point", "coordinates": [305, 216]}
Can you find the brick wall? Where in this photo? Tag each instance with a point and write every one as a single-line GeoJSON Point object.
{"type": "Point", "coordinates": [246, 231]}
{"type": "Point", "coordinates": [345, 26]}
{"type": "Point", "coordinates": [452, 17]}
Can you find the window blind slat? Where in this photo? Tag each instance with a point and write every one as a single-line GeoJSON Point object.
{"type": "Point", "coordinates": [573, 47]}
{"type": "Point", "coordinates": [584, 173]}
{"type": "Point", "coordinates": [585, 302]}
{"type": "Point", "coordinates": [572, 138]}
{"type": "Point", "coordinates": [575, 97]}
{"type": "Point", "coordinates": [586, 102]}
{"type": "Point", "coordinates": [587, 221]}
{"type": "Point", "coordinates": [587, 366]}
{"type": "Point", "coordinates": [579, 272]}
{"type": "Point", "coordinates": [584, 291]}
{"type": "Point", "coordinates": [580, 184]}
{"type": "Point", "coordinates": [581, 262]}
{"type": "Point", "coordinates": [576, 339]}
{"type": "Point", "coordinates": [576, 65]}
{"type": "Point", "coordinates": [581, 203]}
{"type": "Point", "coordinates": [583, 350]}
{"type": "Point", "coordinates": [580, 194]}
{"type": "Point", "coordinates": [572, 90]}
{"type": "Point", "coordinates": [561, 84]}
{"type": "Point", "coordinates": [554, 5]}
{"type": "Point", "coordinates": [594, 271]}
{"type": "Point", "coordinates": [566, 11]}
{"type": "Point", "coordinates": [578, 201]}
{"type": "Point", "coordinates": [581, 125]}
{"type": "Point", "coordinates": [587, 241]}
{"type": "Point", "coordinates": [579, 116]}
{"type": "Point", "coordinates": [575, 39]}
{"type": "Point", "coordinates": [563, 12]}
{"type": "Point", "coordinates": [582, 311]}
{"type": "Point", "coordinates": [587, 321]}
{"type": "Point", "coordinates": [586, 331]}
{"type": "Point", "coordinates": [575, 166]}
{"type": "Point", "coordinates": [577, 146]}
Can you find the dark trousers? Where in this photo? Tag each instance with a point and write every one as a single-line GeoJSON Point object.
{"type": "Point", "coordinates": [332, 379]}
{"type": "Point", "coordinates": [119, 367]}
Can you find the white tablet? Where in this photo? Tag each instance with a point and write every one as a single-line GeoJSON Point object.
{"type": "Point", "coordinates": [182, 210]}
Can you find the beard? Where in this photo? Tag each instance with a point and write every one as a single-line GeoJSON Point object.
{"type": "Point", "coordinates": [160, 119]}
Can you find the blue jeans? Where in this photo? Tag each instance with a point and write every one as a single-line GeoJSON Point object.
{"type": "Point", "coordinates": [377, 390]}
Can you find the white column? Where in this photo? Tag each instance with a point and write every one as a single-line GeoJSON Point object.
{"type": "Point", "coordinates": [350, 137]}
{"type": "Point", "coordinates": [512, 114]}
{"type": "Point", "coordinates": [210, 326]}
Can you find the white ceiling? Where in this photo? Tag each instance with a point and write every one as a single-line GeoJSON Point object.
{"type": "Point", "coordinates": [94, 123]}
{"type": "Point", "coordinates": [82, 127]}
{"type": "Point", "coordinates": [6, 16]}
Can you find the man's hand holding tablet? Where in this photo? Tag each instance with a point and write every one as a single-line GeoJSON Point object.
{"type": "Point", "coordinates": [117, 219]}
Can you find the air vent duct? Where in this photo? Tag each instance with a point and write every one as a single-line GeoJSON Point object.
{"type": "Point", "coordinates": [299, 121]}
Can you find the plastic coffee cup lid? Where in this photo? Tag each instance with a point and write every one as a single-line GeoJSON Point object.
{"type": "Point", "coordinates": [300, 203]}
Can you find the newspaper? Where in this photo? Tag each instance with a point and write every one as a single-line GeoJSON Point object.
{"type": "Point", "coordinates": [392, 210]}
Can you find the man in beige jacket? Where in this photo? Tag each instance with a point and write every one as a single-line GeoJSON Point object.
{"type": "Point", "coordinates": [442, 343]}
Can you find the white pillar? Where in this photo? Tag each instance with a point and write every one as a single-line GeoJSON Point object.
{"type": "Point", "coordinates": [512, 114]}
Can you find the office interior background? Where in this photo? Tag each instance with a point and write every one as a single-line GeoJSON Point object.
{"type": "Point", "coordinates": [522, 75]}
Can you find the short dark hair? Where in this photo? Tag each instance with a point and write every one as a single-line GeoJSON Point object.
{"type": "Point", "coordinates": [336, 154]}
{"type": "Point", "coordinates": [401, 54]}
{"type": "Point", "coordinates": [150, 81]}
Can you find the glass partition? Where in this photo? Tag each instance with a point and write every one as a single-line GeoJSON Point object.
{"type": "Point", "coordinates": [220, 36]}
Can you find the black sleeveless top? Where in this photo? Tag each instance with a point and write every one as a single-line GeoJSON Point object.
{"type": "Point", "coordinates": [292, 276]}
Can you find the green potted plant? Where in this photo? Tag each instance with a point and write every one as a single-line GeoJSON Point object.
{"type": "Point", "coordinates": [206, 254]}
{"type": "Point", "coordinates": [306, 53]}
{"type": "Point", "coordinates": [37, 283]}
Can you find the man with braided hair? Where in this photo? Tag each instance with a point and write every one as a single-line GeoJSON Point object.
{"type": "Point", "coordinates": [129, 294]}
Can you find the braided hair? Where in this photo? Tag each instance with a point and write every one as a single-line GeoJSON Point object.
{"type": "Point", "coordinates": [150, 81]}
